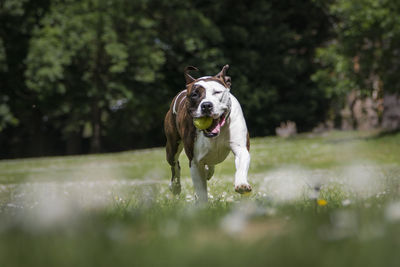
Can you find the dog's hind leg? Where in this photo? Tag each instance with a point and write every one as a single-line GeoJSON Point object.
{"type": "Point", "coordinates": [209, 171]}
{"type": "Point", "coordinates": [175, 184]}
{"type": "Point", "coordinates": [173, 148]}
{"type": "Point", "coordinates": [173, 152]}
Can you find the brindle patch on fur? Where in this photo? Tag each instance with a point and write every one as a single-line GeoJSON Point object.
{"type": "Point", "coordinates": [180, 126]}
{"type": "Point", "coordinates": [195, 94]}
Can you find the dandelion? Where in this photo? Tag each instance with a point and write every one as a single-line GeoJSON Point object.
{"type": "Point", "coordinates": [322, 202]}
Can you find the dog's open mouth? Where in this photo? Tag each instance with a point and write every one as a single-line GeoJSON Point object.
{"type": "Point", "coordinates": [215, 127]}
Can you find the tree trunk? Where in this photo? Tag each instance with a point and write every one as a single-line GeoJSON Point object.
{"type": "Point", "coordinates": [99, 83]}
{"type": "Point", "coordinates": [74, 143]}
{"type": "Point", "coordinates": [95, 145]}
{"type": "Point", "coordinates": [36, 140]}
{"type": "Point", "coordinates": [391, 112]}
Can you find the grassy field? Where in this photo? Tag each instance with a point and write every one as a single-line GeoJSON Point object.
{"type": "Point", "coordinates": [327, 200]}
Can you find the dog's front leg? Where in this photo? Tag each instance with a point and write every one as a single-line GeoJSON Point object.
{"type": "Point", "coordinates": [198, 173]}
{"type": "Point", "coordinates": [242, 162]}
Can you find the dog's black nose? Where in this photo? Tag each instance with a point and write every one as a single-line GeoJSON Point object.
{"type": "Point", "coordinates": [206, 107]}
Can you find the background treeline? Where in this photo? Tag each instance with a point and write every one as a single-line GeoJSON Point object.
{"type": "Point", "coordinates": [98, 75]}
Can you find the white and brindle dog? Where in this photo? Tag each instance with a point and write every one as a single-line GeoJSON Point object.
{"type": "Point", "coordinates": [207, 96]}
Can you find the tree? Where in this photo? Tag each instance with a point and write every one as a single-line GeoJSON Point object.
{"type": "Point", "coordinates": [97, 75]}
{"type": "Point", "coordinates": [89, 58]}
{"type": "Point", "coordinates": [365, 48]}
{"type": "Point", "coordinates": [270, 46]}
{"type": "Point", "coordinates": [17, 115]}
{"type": "Point", "coordinates": [363, 57]}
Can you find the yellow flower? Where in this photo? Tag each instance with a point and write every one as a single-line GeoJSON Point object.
{"type": "Point", "coordinates": [321, 202]}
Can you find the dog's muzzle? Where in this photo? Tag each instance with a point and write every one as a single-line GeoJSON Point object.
{"type": "Point", "coordinates": [216, 126]}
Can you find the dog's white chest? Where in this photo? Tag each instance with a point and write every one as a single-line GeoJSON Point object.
{"type": "Point", "coordinates": [212, 151]}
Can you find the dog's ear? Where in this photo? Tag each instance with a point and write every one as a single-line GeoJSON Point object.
{"type": "Point", "coordinates": [228, 81]}
{"type": "Point", "coordinates": [222, 76]}
{"type": "Point", "coordinates": [188, 78]}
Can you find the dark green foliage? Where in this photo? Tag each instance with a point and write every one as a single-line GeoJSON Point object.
{"type": "Point", "coordinates": [93, 75]}
{"type": "Point", "coordinates": [270, 45]}
{"type": "Point", "coordinates": [364, 55]}
{"type": "Point", "coordinates": [89, 60]}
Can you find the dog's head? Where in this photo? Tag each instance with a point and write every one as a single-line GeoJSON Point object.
{"type": "Point", "coordinates": [209, 97]}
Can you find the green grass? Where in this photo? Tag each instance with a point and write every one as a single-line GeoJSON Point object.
{"type": "Point", "coordinates": [116, 210]}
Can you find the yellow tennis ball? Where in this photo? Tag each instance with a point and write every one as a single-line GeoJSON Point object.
{"type": "Point", "coordinates": [202, 123]}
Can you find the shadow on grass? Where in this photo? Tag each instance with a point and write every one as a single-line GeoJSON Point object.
{"type": "Point", "coordinates": [364, 136]}
{"type": "Point", "coordinates": [385, 133]}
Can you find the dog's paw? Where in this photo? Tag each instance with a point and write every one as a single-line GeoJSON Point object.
{"type": "Point", "coordinates": [243, 188]}
{"type": "Point", "coordinates": [175, 187]}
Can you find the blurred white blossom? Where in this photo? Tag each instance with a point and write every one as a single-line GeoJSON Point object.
{"type": "Point", "coordinates": [392, 212]}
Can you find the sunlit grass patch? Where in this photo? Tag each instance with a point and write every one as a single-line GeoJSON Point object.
{"type": "Point", "coordinates": [315, 202]}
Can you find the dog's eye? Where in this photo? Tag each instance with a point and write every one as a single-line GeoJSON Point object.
{"type": "Point", "coordinates": [217, 92]}
{"type": "Point", "coordinates": [194, 95]}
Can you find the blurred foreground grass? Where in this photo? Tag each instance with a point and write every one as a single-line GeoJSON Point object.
{"type": "Point", "coordinates": [116, 210]}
